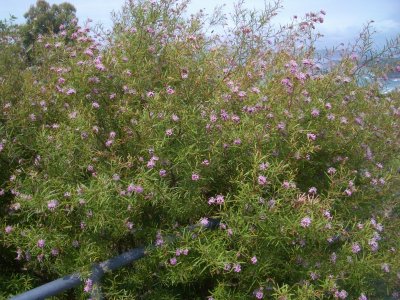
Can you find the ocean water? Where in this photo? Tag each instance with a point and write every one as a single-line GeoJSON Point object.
{"type": "Point", "coordinates": [392, 83]}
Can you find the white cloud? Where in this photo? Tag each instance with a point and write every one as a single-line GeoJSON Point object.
{"type": "Point", "coordinates": [387, 25]}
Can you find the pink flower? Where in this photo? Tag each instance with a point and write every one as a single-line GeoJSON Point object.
{"type": "Point", "coordinates": [150, 94]}
{"type": "Point", "coordinates": [73, 115]}
{"type": "Point", "coordinates": [348, 192]}
{"type": "Point", "coordinates": [169, 132]}
{"type": "Point", "coordinates": [286, 184]}
{"type": "Point", "coordinates": [88, 285]}
{"type": "Point", "coordinates": [211, 200]}
{"type": "Point", "coordinates": [237, 141]}
{"type": "Point", "coordinates": [327, 214]}
{"type": "Point", "coordinates": [195, 177]}
{"type": "Point", "coordinates": [173, 261]}
{"type": "Point", "coordinates": [362, 297]}
{"type": "Point", "coordinates": [162, 173]}
{"type": "Point", "coordinates": [8, 229]}
{"type": "Point", "coordinates": [227, 267]}
{"type": "Point", "coordinates": [385, 267]}
{"type": "Point", "coordinates": [151, 163]}
{"type": "Point", "coordinates": [170, 90]}
{"type": "Point", "coordinates": [99, 66]}
{"type": "Point", "coordinates": [305, 222]}
{"type": "Point", "coordinates": [52, 204]}
{"type": "Point", "coordinates": [288, 84]}
{"type": "Point", "coordinates": [204, 221]}
{"type": "Point", "coordinates": [259, 294]}
{"type": "Point", "coordinates": [373, 244]}
{"type": "Point", "coordinates": [281, 126]}
{"type": "Point", "coordinates": [159, 239]}
{"type": "Point", "coordinates": [312, 190]}
{"type": "Point", "coordinates": [314, 276]}
{"type": "Point", "coordinates": [70, 92]}
{"type": "Point", "coordinates": [219, 199]}
{"type": "Point", "coordinates": [129, 225]}
{"type": "Point", "coordinates": [237, 268]}
{"type": "Point", "coordinates": [341, 295]}
{"type": "Point", "coordinates": [213, 118]}
{"type": "Point", "coordinates": [40, 257]}
{"type": "Point", "coordinates": [205, 162]}
{"type": "Point", "coordinates": [242, 94]}
{"type": "Point", "coordinates": [355, 248]}
{"type": "Point", "coordinates": [41, 243]}
{"type": "Point", "coordinates": [311, 136]}
{"type": "Point", "coordinates": [331, 171]}
{"type": "Point", "coordinates": [138, 189]}
{"type": "Point", "coordinates": [307, 61]}
{"type": "Point", "coordinates": [88, 52]}
{"type": "Point", "coordinates": [112, 135]}
{"type": "Point", "coordinates": [262, 180]}
{"type": "Point", "coordinates": [253, 260]}
{"type": "Point", "coordinates": [315, 112]}
{"type": "Point", "coordinates": [235, 118]}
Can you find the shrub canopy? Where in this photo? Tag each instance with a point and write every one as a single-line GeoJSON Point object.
{"type": "Point", "coordinates": [122, 139]}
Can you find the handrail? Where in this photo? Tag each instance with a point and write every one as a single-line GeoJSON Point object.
{"type": "Point", "coordinates": [98, 270]}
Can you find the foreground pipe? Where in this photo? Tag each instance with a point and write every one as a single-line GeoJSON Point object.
{"type": "Point", "coordinates": [70, 281]}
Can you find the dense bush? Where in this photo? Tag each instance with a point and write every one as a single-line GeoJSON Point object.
{"type": "Point", "coordinates": [119, 140]}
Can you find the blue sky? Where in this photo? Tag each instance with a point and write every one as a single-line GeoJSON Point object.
{"type": "Point", "coordinates": [343, 21]}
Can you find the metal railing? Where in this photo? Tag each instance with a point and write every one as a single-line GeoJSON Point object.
{"type": "Point", "coordinates": [62, 284]}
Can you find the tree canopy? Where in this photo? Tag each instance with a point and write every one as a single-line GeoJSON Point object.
{"type": "Point", "coordinates": [44, 18]}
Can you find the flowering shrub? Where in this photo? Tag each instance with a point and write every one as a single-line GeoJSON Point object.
{"type": "Point", "coordinates": [119, 140]}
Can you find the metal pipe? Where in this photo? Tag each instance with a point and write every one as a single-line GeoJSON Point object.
{"type": "Point", "coordinates": [51, 289]}
{"type": "Point", "coordinates": [67, 282]}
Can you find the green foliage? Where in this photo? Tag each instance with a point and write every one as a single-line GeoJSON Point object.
{"type": "Point", "coordinates": [107, 147]}
{"type": "Point", "coordinates": [44, 18]}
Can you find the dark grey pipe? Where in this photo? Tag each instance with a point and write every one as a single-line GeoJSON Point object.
{"type": "Point", "coordinates": [51, 289]}
{"type": "Point", "coordinates": [67, 282]}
